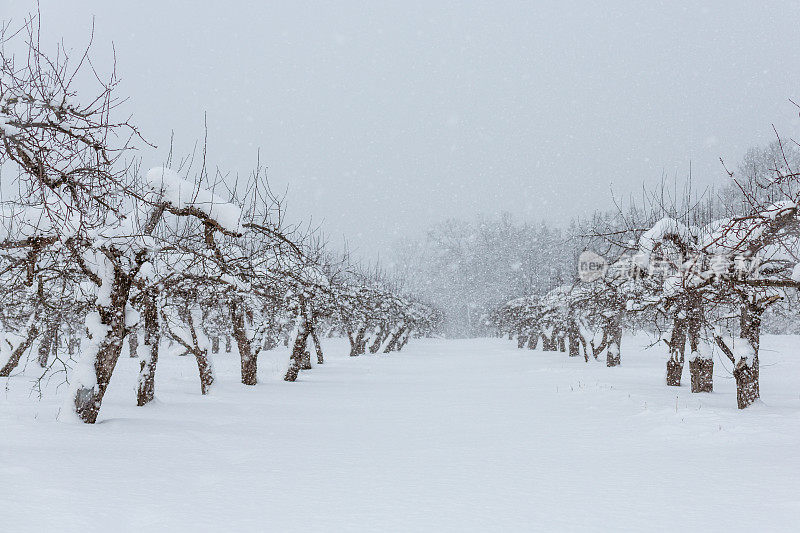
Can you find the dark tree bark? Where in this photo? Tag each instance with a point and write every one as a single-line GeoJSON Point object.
{"type": "Point", "coordinates": [205, 370]}
{"type": "Point", "coordinates": [379, 338]}
{"type": "Point", "coordinates": [215, 344]}
{"type": "Point", "coordinates": [574, 342]}
{"type": "Point", "coordinates": [392, 345]}
{"type": "Point", "coordinates": [133, 342]}
{"type": "Point", "coordinates": [305, 360]}
{"type": "Point", "coordinates": [352, 341]}
{"type": "Point", "coordinates": [677, 347]}
{"type": "Point", "coordinates": [547, 343]}
{"type": "Point", "coordinates": [317, 346]}
{"type": "Point", "coordinates": [521, 340]}
{"type": "Point", "coordinates": [746, 371]}
{"type": "Point", "coordinates": [586, 345]}
{"type": "Point", "coordinates": [298, 350]}
{"type": "Point", "coordinates": [702, 372]}
{"type": "Point", "coordinates": [701, 367]}
{"type": "Point", "coordinates": [614, 349]}
{"type": "Point", "coordinates": [49, 341]}
{"type": "Point", "coordinates": [152, 338]}
{"type": "Point", "coordinates": [249, 362]}
{"type": "Point", "coordinates": [404, 340]}
{"type": "Point", "coordinates": [550, 341]}
{"type": "Point", "coordinates": [357, 344]}
{"type": "Point", "coordinates": [87, 400]}
{"type": "Point", "coordinates": [533, 340]}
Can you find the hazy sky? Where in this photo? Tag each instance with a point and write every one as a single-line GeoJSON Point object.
{"type": "Point", "coordinates": [384, 117]}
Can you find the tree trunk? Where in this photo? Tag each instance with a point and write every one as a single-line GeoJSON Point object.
{"type": "Point", "coordinates": [87, 400]}
{"type": "Point", "coordinates": [747, 388]}
{"type": "Point", "coordinates": [152, 337]}
{"type": "Point", "coordinates": [379, 336]}
{"type": "Point", "coordinates": [574, 343]}
{"type": "Point", "coordinates": [614, 349]}
{"type": "Point", "coordinates": [215, 344]}
{"type": "Point", "coordinates": [521, 340]}
{"type": "Point", "coordinates": [677, 347]}
{"type": "Point", "coordinates": [395, 337]}
{"type": "Point", "coordinates": [586, 345]}
{"type": "Point", "coordinates": [702, 372]}
{"type": "Point", "coordinates": [547, 342]}
{"type": "Point", "coordinates": [205, 369]}
{"type": "Point", "coordinates": [249, 362]}
{"type": "Point", "coordinates": [533, 340]}
{"type": "Point", "coordinates": [404, 340]}
{"type": "Point", "coordinates": [357, 347]}
{"type": "Point", "coordinates": [746, 371]}
{"type": "Point", "coordinates": [49, 341]}
{"type": "Point", "coordinates": [228, 346]}
{"type": "Point", "coordinates": [305, 359]}
{"type": "Point", "coordinates": [317, 346]}
{"type": "Point", "coordinates": [298, 351]}
{"type": "Point", "coordinates": [133, 342]}
{"type": "Point", "coordinates": [562, 345]}
{"type": "Point", "coordinates": [88, 396]}
{"type": "Point", "coordinates": [551, 343]}
{"type": "Point", "coordinates": [701, 368]}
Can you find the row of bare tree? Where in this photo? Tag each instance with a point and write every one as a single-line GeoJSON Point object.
{"type": "Point", "coordinates": [701, 272]}
{"type": "Point", "coordinates": [94, 249]}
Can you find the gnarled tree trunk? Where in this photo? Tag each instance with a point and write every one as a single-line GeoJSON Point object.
{"type": "Point", "coordinates": [298, 351]}
{"type": "Point", "coordinates": [49, 340]}
{"type": "Point", "coordinates": [533, 340]}
{"type": "Point", "coordinates": [702, 372]}
{"type": "Point", "coordinates": [249, 362]}
{"type": "Point", "coordinates": [380, 335]}
{"type": "Point", "coordinates": [88, 395]}
{"type": "Point", "coordinates": [677, 347]}
{"type": "Point", "coordinates": [521, 340]}
{"type": "Point", "coordinates": [317, 346]}
{"type": "Point", "coordinates": [745, 361]}
{"type": "Point", "coordinates": [133, 342]}
{"type": "Point", "coordinates": [357, 343]}
{"type": "Point", "coordinates": [701, 365]}
{"type": "Point", "coordinates": [146, 389]}
{"type": "Point", "coordinates": [205, 369]}
{"type": "Point", "coordinates": [394, 339]}
{"type": "Point", "coordinates": [404, 340]}
{"type": "Point", "coordinates": [614, 348]}
{"type": "Point", "coordinates": [746, 371]}
{"type": "Point", "coordinates": [574, 341]}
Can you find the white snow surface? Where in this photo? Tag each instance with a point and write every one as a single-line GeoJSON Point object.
{"type": "Point", "coordinates": [448, 435]}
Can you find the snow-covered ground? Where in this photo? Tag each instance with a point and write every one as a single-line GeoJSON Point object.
{"type": "Point", "coordinates": [450, 435]}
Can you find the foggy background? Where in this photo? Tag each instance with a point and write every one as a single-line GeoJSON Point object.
{"type": "Point", "coordinates": [380, 119]}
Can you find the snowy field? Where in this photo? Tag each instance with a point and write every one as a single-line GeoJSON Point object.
{"type": "Point", "coordinates": [467, 435]}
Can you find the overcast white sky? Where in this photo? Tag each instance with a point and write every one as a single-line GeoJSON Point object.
{"type": "Point", "coordinates": [384, 117]}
